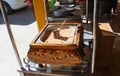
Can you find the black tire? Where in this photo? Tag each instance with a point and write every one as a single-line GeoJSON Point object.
{"type": "Point", "coordinates": [8, 9]}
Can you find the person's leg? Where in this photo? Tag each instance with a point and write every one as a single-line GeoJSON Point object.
{"type": "Point", "coordinates": [109, 6]}
{"type": "Point", "coordinates": [115, 6]}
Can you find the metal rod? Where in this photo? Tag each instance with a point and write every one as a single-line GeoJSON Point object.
{"type": "Point", "coordinates": [87, 11]}
{"type": "Point", "coordinates": [10, 33]}
{"type": "Point", "coordinates": [94, 35]}
{"type": "Point", "coordinates": [46, 11]}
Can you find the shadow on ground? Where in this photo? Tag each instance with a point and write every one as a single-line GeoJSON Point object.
{"type": "Point", "coordinates": [23, 16]}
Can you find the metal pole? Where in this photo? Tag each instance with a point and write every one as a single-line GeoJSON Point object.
{"type": "Point", "coordinates": [10, 33]}
{"type": "Point", "coordinates": [94, 35]}
{"type": "Point", "coordinates": [87, 11]}
{"type": "Point", "coordinates": [46, 11]}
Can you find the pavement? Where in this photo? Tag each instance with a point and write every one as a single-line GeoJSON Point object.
{"type": "Point", "coordinates": [23, 35]}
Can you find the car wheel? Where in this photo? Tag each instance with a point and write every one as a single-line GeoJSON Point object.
{"type": "Point", "coordinates": [8, 9]}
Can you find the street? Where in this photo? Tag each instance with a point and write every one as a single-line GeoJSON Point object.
{"type": "Point", "coordinates": [23, 16]}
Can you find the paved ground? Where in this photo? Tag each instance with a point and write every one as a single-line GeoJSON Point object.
{"type": "Point", "coordinates": [24, 29]}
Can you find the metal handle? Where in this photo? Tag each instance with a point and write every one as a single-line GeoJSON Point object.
{"type": "Point", "coordinates": [62, 24]}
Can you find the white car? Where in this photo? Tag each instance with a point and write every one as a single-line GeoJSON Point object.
{"type": "Point", "coordinates": [11, 5]}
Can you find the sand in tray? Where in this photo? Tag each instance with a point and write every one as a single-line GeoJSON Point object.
{"type": "Point", "coordinates": [66, 36]}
